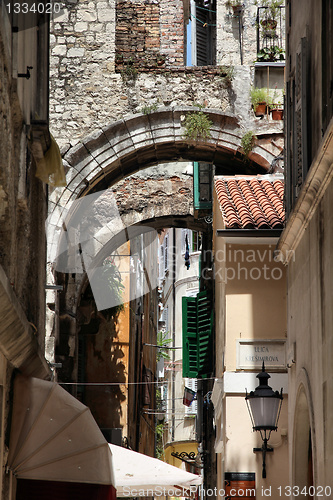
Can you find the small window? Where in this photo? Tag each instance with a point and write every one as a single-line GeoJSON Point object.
{"type": "Point", "coordinates": [188, 233]}
{"type": "Point", "coordinates": [196, 241]}
{"type": "Point", "coordinates": [193, 238]}
{"type": "Point", "coordinates": [166, 249]}
{"type": "Point", "coordinates": [201, 33]}
{"type": "Point", "coordinates": [165, 318]}
{"type": "Point", "coordinates": [202, 185]}
{"type": "Point", "coordinates": [161, 262]}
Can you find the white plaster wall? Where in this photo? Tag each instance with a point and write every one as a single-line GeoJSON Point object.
{"type": "Point", "coordinates": [184, 427]}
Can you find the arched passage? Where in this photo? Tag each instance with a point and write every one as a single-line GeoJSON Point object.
{"type": "Point", "coordinates": [111, 155]}
{"type": "Point", "coordinates": [95, 229]}
{"type": "Point", "coordinates": [116, 151]}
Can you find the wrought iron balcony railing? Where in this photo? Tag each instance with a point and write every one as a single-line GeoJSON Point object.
{"type": "Point", "coordinates": [271, 34]}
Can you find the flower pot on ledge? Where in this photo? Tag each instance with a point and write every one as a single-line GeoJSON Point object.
{"type": "Point", "coordinates": [237, 9]}
{"type": "Point", "coordinates": [277, 114]}
{"type": "Point", "coordinates": [260, 109]}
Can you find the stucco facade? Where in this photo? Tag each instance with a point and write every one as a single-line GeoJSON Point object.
{"type": "Point", "coordinates": [250, 315]}
{"type": "Point", "coordinates": [177, 281]}
{"type": "Point", "coordinates": [306, 245]}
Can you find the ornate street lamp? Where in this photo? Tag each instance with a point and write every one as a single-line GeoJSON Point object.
{"type": "Point", "coordinates": [264, 407]}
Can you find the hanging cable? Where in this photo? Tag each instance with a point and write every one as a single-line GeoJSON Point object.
{"type": "Point", "coordinates": [202, 22]}
{"type": "Point", "coordinates": [119, 383]}
{"type": "Point", "coordinates": [205, 8]}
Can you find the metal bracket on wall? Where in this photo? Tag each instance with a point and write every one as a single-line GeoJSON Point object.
{"type": "Point", "coordinates": [26, 75]}
{"type": "Point", "coordinates": [190, 458]}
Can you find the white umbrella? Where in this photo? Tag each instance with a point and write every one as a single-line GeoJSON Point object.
{"type": "Point", "coordinates": [54, 437]}
{"type": "Point", "coordinates": [138, 475]}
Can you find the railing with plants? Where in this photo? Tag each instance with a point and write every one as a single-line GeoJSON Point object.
{"type": "Point", "coordinates": [270, 30]}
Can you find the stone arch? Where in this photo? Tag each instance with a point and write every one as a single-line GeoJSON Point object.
{"type": "Point", "coordinates": [303, 436]}
{"type": "Point", "coordinates": [168, 202]}
{"type": "Point", "coordinates": [104, 220]}
{"type": "Point", "coordinates": [116, 151]}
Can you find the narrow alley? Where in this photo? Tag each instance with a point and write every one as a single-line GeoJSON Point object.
{"type": "Point", "coordinates": [166, 241]}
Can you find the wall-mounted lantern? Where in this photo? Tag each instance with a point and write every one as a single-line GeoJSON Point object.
{"type": "Point", "coordinates": [264, 407]}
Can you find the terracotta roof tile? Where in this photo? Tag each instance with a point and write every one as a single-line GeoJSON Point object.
{"type": "Point", "coordinates": [251, 202]}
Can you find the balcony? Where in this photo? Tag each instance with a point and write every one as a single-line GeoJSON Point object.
{"type": "Point", "coordinates": [270, 34]}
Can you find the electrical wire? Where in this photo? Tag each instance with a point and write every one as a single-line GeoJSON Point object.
{"type": "Point", "coordinates": [120, 383]}
{"type": "Point", "coordinates": [202, 22]}
{"type": "Point", "coordinates": [205, 8]}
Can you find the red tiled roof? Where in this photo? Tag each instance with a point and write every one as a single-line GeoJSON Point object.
{"type": "Point", "coordinates": [251, 202]}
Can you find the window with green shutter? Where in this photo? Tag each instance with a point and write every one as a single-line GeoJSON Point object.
{"type": "Point", "coordinates": [202, 185]}
{"type": "Point", "coordinates": [197, 336]}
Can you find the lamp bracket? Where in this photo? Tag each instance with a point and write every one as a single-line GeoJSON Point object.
{"type": "Point", "coordinates": [262, 449]}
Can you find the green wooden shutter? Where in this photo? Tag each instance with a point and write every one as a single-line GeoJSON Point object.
{"type": "Point", "coordinates": [189, 311]}
{"type": "Point", "coordinates": [202, 185]}
{"type": "Point", "coordinates": [204, 315]}
{"type": "Point", "coordinates": [197, 336]}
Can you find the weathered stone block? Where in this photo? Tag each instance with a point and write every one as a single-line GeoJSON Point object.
{"type": "Point", "coordinates": [75, 52]}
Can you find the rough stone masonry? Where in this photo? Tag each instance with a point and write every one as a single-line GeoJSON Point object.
{"type": "Point", "coordinates": [110, 59]}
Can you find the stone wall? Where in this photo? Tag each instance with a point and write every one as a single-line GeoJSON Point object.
{"type": "Point", "coordinates": [23, 205]}
{"type": "Point", "coordinates": [149, 35]}
{"type": "Point", "coordinates": [103, 97]}
{"type": "Point", "coordinates": [112, 59]}
{"type": "Point", "coordinates": [236, 35]}
{"type": "Point", "coordinates": [23, 209]}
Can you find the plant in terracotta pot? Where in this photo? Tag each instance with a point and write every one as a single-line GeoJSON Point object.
{"type": "Point", "coordinates": [259, 100]}
{"type": "Point", "coordinates": [276, 104]}
{"type": "Point", "coordinates": [276, 108]}
{"type": "Point", "coordinates": [235, 5]}
{"type": "Point", "coordinates": [271, 54]}
{"type": "Point", "coordinates": [272, 8]}
{"type": "Point", "coordinates": [277, 114]}
{"type": "Point", "coordinates": [269, 28]}
{"type": "Point", "coordinates": [271, 15]}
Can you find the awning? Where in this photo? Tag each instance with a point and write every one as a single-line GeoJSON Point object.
{"type": "Point", "coordinates": [54, 437]}
{"type": "Point", "coordinates": [139, 475]}
{"type": "Point", "coordinates": [17, 342]}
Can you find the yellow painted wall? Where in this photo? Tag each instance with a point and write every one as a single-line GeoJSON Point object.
{"type": "Point", "coordinates": [255, 297]}
{"type": "Point", "coordinates": [250, 303]}
{"type": "Point", "coordinates": [179, 447]}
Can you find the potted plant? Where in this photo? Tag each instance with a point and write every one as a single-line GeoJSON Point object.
{"type": "Point", "coordinates": [259, 100]}
{"type": "Point", "coordinates": [271, 54]}
{"type": "Point", "coordinates": [276, 109]}
{"type": "Point", "coordinates": [269, 23]}
{"type": "Point", "coordinates": [277, 114]}
{"type": "Point", "coordinates": [272, 8]}
{"type": "Point", "coordinates": [269, 28]}
{"type": "Point", "coordinates": [235, 5]}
